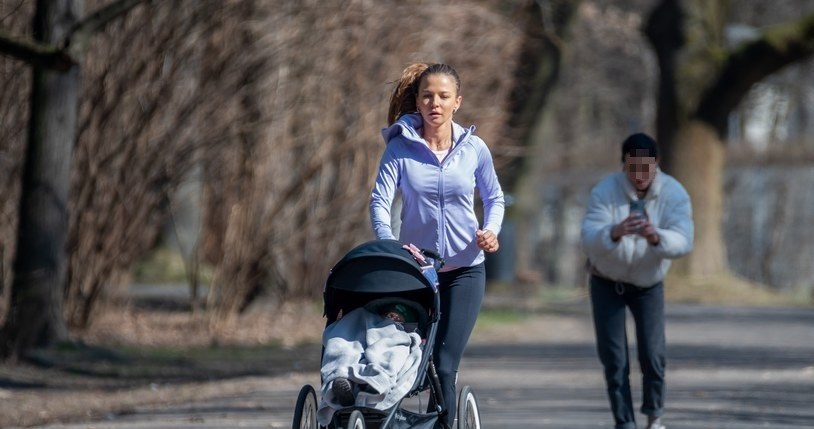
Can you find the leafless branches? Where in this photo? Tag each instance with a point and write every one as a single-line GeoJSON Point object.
{"type": "Point", "coordinates": [280, 104]}
{"type": "Point", "coordinates": [137, 140]}
{"type": "Point", "coordinates": [323, 95]}
{"type": "Point", "coordinates": [15, 81]}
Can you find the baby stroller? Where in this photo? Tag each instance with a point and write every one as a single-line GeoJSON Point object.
{"type": "Point", "coordinates": [372, 271]}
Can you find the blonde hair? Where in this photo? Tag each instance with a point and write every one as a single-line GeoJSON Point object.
{"type": "Point", "coordinates": [402, 101]}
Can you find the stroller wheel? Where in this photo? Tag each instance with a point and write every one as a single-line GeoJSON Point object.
{"type": "Point", "coordinates": [356, 420]}
{"type": "Point", "coordinates": [305, 413]}
{"type": "Point", "coordinates": [468, 411]}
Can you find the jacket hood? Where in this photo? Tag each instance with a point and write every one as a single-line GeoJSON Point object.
{"type": "Point", "coordinates": [409, 126]}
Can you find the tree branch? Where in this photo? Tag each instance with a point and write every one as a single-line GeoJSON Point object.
{"type": "Point", "coordinates": [77, 39]}
{"type": "Point", "coordinates": [545, 27]}
{"type": "Point", "coordinates": [664, 29]}
{"type": "Point", "coordinates": [749, 64]}
{"type": "Point", "coordinates": [35, 53]}
{"type": "Point", "coordinates": [73, 46]}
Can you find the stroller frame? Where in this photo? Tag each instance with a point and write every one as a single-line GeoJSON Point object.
{"type": "Point", "coordinates": [373, 270]}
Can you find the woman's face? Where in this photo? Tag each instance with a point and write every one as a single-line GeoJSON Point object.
{"type": "Point", "coordinates": [437, 99]}
{"type": "Point", "coordinates": [640, 171]}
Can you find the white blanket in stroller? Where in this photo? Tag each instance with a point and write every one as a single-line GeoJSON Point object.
{"type": "Point", "coordinates": [368, 349]}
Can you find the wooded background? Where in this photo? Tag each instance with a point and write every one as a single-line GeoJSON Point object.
{"type": "Point", "coordinates": [248, 134]}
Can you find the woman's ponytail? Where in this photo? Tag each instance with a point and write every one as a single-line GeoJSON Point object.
{"type": "Point", "coordinates": [402, 101]}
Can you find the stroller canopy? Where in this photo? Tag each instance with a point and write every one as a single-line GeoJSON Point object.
{"type": "Point", "coordinates": [378, 266]}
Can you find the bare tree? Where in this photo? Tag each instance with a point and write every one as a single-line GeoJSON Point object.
{"type": "Point", "coordinates": [312, 172]}
{"type": "Point", "coordinates": [545, 39]}
{"type": "Point", "coordinates": [60, 36]}
{"type": "Point", "coordinates": [14, 112]}
{"type": "Point", "coordinates": [701, 82]}
{"type": "Point", "coordinates": [140, 135]}
{"type": "Point", "coordinates": [284, 121]}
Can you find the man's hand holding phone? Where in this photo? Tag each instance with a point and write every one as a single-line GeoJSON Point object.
{"type": "Point", "coordinates": [632, 224]}
{"type": "Point", "coordinates": [637, 222]}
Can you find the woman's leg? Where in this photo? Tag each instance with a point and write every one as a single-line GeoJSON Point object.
{"type": "Point", "coordinates": [648, 312]}
{"type": "Point", "coordinates": [462, 293]}
{"type": "Point", "coordinates": [608, 306]}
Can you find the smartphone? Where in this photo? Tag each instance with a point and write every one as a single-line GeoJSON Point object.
{"type": "Point", "coordinates": [637, 208]}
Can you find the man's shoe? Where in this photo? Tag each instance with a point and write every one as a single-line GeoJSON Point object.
{"type": "Point", "coordinates": [655, 423]}
{"type": "Point", "coordinates": [343, 391]}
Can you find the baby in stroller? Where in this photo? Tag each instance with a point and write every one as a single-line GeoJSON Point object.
{"type": "Point", "coordinates": [371, 356]}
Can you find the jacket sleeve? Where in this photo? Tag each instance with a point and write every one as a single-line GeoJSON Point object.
{"type": "Point", "coordinates": [676, 230]}
{"type": "Point", "coordinates": [490, 192]}
{"type": "Point", "coordinates": [381, 199]}
{"type": "Point", "coordinates": [595, 233]}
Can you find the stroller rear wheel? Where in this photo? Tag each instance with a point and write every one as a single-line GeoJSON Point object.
{"type": "Point", "coordinates": [356, 420]}
{"type": "Point", "coordinates": [305, 413]}
{"type": "Point", "coordinates": [468, 411]}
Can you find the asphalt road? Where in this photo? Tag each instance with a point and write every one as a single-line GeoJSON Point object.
{"type": "Point", "coordinates": [728, 368]}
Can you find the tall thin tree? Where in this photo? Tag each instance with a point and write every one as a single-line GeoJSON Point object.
{"type": "Point", "coordinates": [61, 32]}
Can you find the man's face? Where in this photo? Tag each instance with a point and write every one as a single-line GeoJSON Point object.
{"type": "Point", "coordinates": [640, 171]}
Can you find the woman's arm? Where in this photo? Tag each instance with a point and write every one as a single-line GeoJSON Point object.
{"type": "Point", "coordinates": [490, 191]}
{"type": "Point", "coordinates": [381, 199]}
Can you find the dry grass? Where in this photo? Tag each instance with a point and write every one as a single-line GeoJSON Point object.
{"type": "Point", "coordinates": [135, 355]}
{"type": "Point", "coordinates": [290, 324]}
{"type": "Point", "coordinates": [723, 289]}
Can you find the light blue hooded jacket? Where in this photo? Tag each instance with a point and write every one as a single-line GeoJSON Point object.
{"type": "Point", "coordinates": [438, 211]}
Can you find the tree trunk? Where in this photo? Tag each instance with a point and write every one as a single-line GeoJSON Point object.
{"type": "Point", "coordinates": [698, 163]}
{"type": "Point", "coordinates": [546, 27]}
{"type": "Point", "coordinates": [35, 318]}
{"type": "Point", "coordinates": [701, 82]}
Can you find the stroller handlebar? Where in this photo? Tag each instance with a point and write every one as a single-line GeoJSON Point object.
{"type": "Point", "coordinates": [438, 261]}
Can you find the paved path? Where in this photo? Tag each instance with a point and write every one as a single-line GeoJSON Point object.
{"type": "Point", "coordinates": [728, 368]}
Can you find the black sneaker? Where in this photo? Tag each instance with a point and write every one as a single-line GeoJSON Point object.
{"type": "Point", "coordinates": [343, 391]}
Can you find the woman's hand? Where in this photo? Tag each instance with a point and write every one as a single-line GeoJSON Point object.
{"type": "Point", "coordinates": [487, 240]}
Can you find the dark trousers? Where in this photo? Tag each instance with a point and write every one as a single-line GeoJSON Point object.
{"type": "Point", "coordinates": [609, 300]}
{"type": "Point", "coordinates": [461, 292]}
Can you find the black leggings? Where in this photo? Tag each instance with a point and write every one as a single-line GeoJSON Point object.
{"type": "Point", "coordinates": [461, 292]}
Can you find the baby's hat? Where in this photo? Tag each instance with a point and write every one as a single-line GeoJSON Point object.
{"type": "Point", "coordinates": [404, 307]}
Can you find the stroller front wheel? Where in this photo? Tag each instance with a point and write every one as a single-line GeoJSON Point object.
{"type": "Point", "coordinates": [356, 420]}
{"type": "Point", "coordinates": [305, 413]}
{"type": "Point", "coordinates": [468, 411]}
